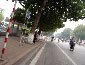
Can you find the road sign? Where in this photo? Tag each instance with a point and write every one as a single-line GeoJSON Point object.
{"type": "Point", "coordinates": [28, 14]}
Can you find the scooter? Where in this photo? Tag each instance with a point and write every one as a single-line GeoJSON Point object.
{"type": "Point", "coordinates": [72, 45]}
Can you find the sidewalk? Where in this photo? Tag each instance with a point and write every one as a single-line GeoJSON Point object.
{"type": "Point", "coordinates": [13, 51]}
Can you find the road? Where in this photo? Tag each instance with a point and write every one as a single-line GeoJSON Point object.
{"type": "Point", "coordinates": [54, 53]}
{"type": "Point", "coordinates": [78, 55]}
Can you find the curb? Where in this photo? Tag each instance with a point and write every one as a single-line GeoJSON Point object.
{"type": "Point", "coordinates": [4, 62]}
{"type": "Point", "coordinates": [7, 62]}
{"type": "Point", "coordinates": [36, 51]}
{"type": "Point", "coordinates": [28, 58]}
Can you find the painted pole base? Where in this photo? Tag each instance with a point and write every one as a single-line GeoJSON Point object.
{"type": "Point", "coordinates": [2, 58]}
{"type": "Point", "coordinates": [30, 38]}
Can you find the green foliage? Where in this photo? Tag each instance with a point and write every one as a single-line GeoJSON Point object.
{"type": "Point", "coordinates": [19, 15]}
{"type": "Point", "coordinates": [65, 34]}
{"type": "Point", "coordinates": [1, 17]}
{"type": "Point", "coordinates": [50, 34]}
{"type": "Point", "coordinates": [71, 9]}
{"type": "Point", "coordinates": [50, 22]}
{"type": "Point", "coordinates": [55, 12]}
{"type": "Point", "coordinates": [79, 32]}
{"type": "Point", "coordinates": [25, 30]}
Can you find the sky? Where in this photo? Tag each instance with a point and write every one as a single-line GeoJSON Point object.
{"type": "Point", "coordinates": [8, 7]}
{"type": "Point", "coordinates": [71, 24]}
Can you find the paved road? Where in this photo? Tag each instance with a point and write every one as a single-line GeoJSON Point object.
{"type": "Point", "coordinates": [52, 55]}
{"type": "Point", "coordinates": [78, 55]}
{"type": "Point", "coordinates": [59, 54]}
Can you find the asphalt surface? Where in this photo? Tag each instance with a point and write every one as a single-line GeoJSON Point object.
{"type": "Point", "coordinates": [78, 55]}
{"type": "Point", "coordinates": [52, 55]}
{"type": "Point", "coordinates": [59, 54]}
{"type": "Point", "coordinates": [27, 59]}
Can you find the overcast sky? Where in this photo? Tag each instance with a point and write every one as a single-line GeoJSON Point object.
{"type": "Point", "coordinates": [8, 7]}
{"type": "Point", "coordinates": [71, 24]}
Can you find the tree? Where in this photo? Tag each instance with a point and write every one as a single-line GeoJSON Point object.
{"type": "Point", "coordinates": [54, 11]}
{"type": "Point", "coordinates": [1, 17]}
{"type": "Point", "coordinates": [58, 35]}
{"type": "Point", "coordinates": [19, 15]}
{"type": "Point", "coordinates": [49, 24]}
{"type": "Point", "coordinates": [79, 32]}
{"type": "Point", "coordinates": [7, 19]}
{"type": "Point", "coordinates": [65, 34]}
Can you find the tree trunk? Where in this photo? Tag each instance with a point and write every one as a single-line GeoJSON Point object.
{"type": "Point", "coordinates": [36, 21]}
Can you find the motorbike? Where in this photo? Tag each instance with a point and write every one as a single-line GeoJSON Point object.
{"type": "Point", "coordinates": [52, 39]}
{"type": "Point", "coordinates": [72, 45]}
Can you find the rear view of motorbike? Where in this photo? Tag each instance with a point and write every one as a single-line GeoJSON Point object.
{"type": "Point", "coordinates": [72, 44]}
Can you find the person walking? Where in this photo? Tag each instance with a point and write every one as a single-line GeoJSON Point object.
{"type": "Point", "coordinates": [35, 37]}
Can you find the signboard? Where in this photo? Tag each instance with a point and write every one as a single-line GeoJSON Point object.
{"type": "Point", "coordinates": [28, 14]}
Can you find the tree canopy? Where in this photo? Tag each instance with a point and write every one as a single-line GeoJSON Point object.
{"type": "Point", "coordinates": [65, 34]}
{"type": "Point", "coordinates": [54, 12]}
{"type": "Point", "coordinates": [79, 32]}
{"type": "Point", "coordinates": [1, 17]}
{"type": "Point", "coordinates": [19, 15]}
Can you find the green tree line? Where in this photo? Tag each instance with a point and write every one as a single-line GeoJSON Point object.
{"type": "Point", "coordinates": [49, 15]}
{"type": "Point", "coordinates": [77, 33]}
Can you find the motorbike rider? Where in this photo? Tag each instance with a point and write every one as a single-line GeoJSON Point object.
{"type": "Point", "coordinates": [72, 43]}
{"type": "Point", "coordinates": [52, 39]}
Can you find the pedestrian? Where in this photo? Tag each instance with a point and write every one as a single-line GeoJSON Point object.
{"type": "Point", "coordinates": [58, 40]}
{"type": "Point", "coordinates": [35, 37]}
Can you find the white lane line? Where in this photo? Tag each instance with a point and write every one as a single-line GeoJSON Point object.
{"type": "Point", "coordinates": [34, 61]}
{"type": "Point", "coordinates": [67, 56]}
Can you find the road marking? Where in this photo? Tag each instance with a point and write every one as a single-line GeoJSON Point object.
{"type": "Point", "coordinates": [67, 56]}
{"type": "Point", "coordinates": [34, 61]}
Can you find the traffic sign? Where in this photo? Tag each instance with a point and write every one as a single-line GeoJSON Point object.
{"type": "Point", "coordinates": [28, 14]}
